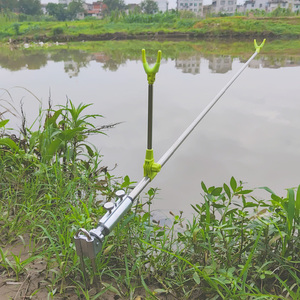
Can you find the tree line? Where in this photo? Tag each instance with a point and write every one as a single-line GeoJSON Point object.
{"type": "Point", "coordinates": [64, 12]}
{"type": "Point", "coordinates": [28, 7]}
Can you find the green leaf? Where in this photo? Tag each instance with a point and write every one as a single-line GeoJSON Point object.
{"type": "Point", "coordinates": [151, 192]}
{"type": "Point", "coordinates": [267, 189]}
{"type": "Point", "coordinates": [160, 291]}
{"type": "Point", "coordinates": [126, 183]}
{"type": "Point", "coordinates": [145, 217]}
{"type": "Point", "coordinates": [216, 205]}
{"type": "Point", "coordinates": [217, 191]}
{"type": "Point", "coordinates": [145, 286]}
{"type": "Point", "coordinates": [160, 233]}
{"type": "Point", "coordinates": [53, 147]}
{"type": "Point", "coordinates": [244, 192]}
{"type": "Point", "coordinates": [204, 187]}
{"type": "Point", "coordinates": [69, 134]}
{"type": "Point", "coordinates": [297, 202]}
{"type": "Point", "coordinates": [250, 204]}
{"type": "Point", "coordinates": [52, 120]}
{"type": "Point", "coordinates": [3, 123]}
{"type": "Point", "coordinates": [231, 211]}
{"type": "Point", "coordinates": [9, 143]}
{"type": "Point", "coordinates": [291, 208]}
{"type": "Point", "coordinates": [227, 190]}
{"type": "Point", "coordinates": [210, 189]}
{"type": "Point", "coordinates": [89, 150]}
{"type": "Point", "coordinates": [108, 249]}
{"type": "Point", "coordinates": [276, 198]}
{"type": "Point", "coordinates": [233, 184]}
{"type": "Point", "coordinates": [196, 277]}
{"type": "Point", "coordinates": [111, 288]}
{"type": "Point", "coordinates": [196, 208]}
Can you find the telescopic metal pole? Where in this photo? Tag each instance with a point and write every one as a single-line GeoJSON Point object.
{"type": "Point", "coordinates": [150, 115]}
{"type": "Point", "coordinates": [187, 132]}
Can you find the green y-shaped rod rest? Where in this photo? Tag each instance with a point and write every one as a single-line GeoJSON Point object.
{"type": "Point", "coordinates": [260, 46]}
{"type": "Point", "coordinates": [151, 168]}
{"type": "Point", "coordinates": [151, 71]}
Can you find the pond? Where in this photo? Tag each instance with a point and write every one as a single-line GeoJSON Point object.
{"type": "Point", "coordinates": [253, 132]}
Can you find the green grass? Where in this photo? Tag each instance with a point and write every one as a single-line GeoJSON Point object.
{"type": "Point", "coordinates": [225, 27]}
{"type": "Point", "coordinates": [53, 183]}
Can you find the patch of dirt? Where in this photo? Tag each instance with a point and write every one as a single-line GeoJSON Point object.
{"type": "Point", "coordinates": [34, 283]}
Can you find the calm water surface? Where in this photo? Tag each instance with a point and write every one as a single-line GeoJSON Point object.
{"type": "Point", "coordinates": [253, 133]}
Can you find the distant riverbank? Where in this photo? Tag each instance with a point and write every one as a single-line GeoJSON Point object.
{"type": "Point", "coordinates": [237, 27]}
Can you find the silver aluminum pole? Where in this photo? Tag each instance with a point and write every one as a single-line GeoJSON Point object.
{"type": "Point", "coordinates": [186, 133]}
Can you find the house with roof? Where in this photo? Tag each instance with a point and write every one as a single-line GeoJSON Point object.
{"type": "Point", "coordinates": [223, 6]}
{"type": "Point", "coordinates": [273, 4]}
{"type": "Point", "coordinates": [96, 9]}
{"type": "Point", "coordinates": [195, 6]}
{"type": "Point", "coordinates": [256, 4]}
{"type": "Point", "coordinates": [295, 6]}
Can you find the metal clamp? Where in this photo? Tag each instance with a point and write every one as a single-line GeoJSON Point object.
{"type": "Point", "coordinates": [86, 244]}
{"type": "Point", "coordinates": [89, 243]}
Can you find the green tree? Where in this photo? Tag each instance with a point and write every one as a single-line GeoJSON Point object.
{"type": "Point", "coordinates": [8, 5]}
{"type": "Point", "coordinates": [149, 7]}
{"type": "Point", "coordinates": [58, 11]}
{"type": "Point", "coordinates": [51, 9]}
{"type": "Point", "coordinates": [75, 7]}
{"type": "Point", "coordinates": [113, 5]}
{"type": "Point", "coordinates": [30, 7]}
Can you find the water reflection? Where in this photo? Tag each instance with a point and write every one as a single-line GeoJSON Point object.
{"type": "Point", "coordinates": [75, 60]}
{"type": "Point", "coordinates": [189, 64]}
{"type": "Point", "coordinates": [220, 64]}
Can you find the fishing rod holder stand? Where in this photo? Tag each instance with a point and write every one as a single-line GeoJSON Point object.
{"type": "Point", "coordinates": [151, 168]}
{"type": "Point", "coordinates": [89, 243]}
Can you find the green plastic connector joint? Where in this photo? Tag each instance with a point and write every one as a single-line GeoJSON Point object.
{"type": "Point", "coordinates": [151, 168]}
{"type": "Point", "coordinates": [260, 46]}
{"type": "Point", "coordinates": [151, 72]}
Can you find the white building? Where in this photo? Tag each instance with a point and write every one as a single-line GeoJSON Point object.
{"type": "Point", "coordinates": [195, 6]}
{"type": "Point", "coordinates": [224, 6]}
{"type": "Point", "coordinates": [295, 5]}
{"type": "Point", "coordinates": [256, 4]}
{"type": "Point", "coordinates": [273, 4]}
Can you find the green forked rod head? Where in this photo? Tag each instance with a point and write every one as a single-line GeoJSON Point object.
{"type": "Point", "coordinates": [151, 71]}
{"type": "Point", "coordinates": [260, 46]}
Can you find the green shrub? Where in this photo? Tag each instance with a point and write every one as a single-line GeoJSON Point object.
{"type": "Point", "coordinates": [58, 31]}
{"type": "Point", "coordinates": [16, 27]}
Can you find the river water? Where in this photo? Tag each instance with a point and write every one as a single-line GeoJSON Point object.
{"type": "Point", "coordinates": [253, 132]}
